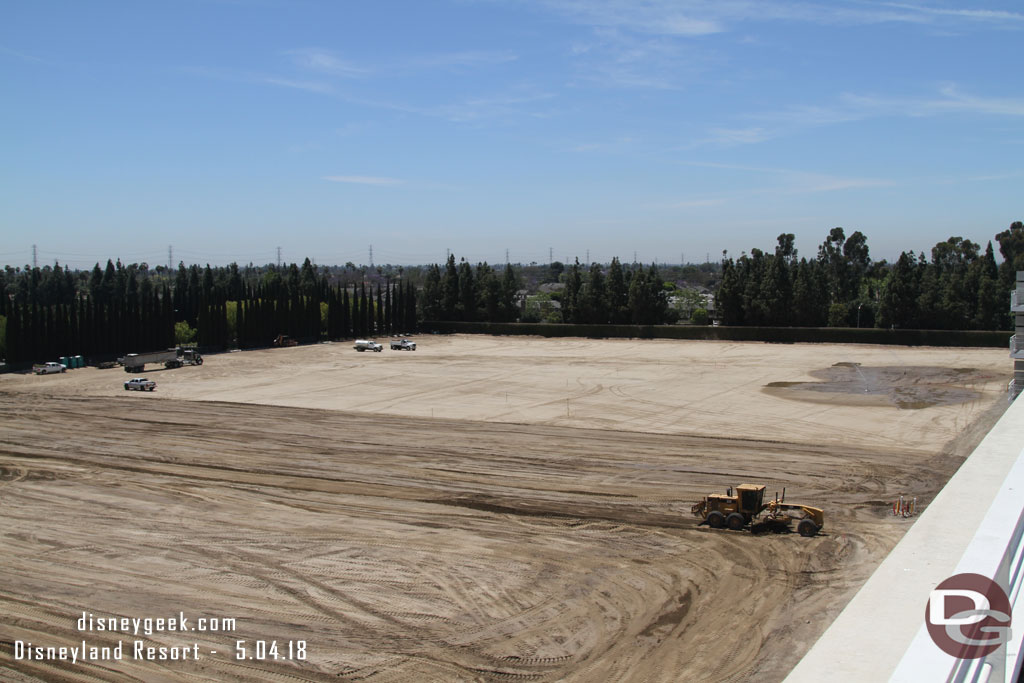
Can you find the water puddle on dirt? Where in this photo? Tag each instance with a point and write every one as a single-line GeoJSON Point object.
{"type": "Point", "coordinates": [905, 387]}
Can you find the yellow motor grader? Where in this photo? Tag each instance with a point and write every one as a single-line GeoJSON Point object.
{"type": "Point", "coordinates": [747, 507]}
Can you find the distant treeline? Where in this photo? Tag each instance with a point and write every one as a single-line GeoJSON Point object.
{"type": "Point", "coordinates": [49, 312]}
{"type": "Point", "coordinates": [960, 288]}
{"type": "Point", "coordinates": [624, 295]}
{"type": "Point", "coordinates": [54, 311]}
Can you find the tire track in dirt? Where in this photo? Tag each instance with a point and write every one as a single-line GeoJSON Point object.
{"type": "Point", "coordinates": [412, 549]}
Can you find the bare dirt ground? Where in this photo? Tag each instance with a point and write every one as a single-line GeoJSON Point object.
{"type": "Point", "coordinates": [482, 509]}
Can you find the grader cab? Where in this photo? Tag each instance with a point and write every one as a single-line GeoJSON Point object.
{"type": "Point", "coordinates": [747, 507]}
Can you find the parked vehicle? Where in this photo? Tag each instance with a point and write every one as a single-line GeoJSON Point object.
{"type": "Point", "coordinates": [403, 345]}
{"type": "Point", "coordinates": [171, 358]}
{"type": "Point", "coordinates": [49, 368]}
{"type": "Point", "coordinates": [367, 345]}
{"type": "Point", "coordinates": [285, 340]}
{"type": "Point", "coordinates": [140, 384]}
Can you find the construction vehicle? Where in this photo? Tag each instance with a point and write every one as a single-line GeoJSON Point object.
{"type": "Point", "coordinates": [367, 345]}
{"type": "Point", "coordinates": [747, 507]}
{"type": "Point", "coordinates": [285, 340]}
{"type": "Point", "coordinates": [171, 358]}
{"type": "Point", "coordinates": [403, 345]}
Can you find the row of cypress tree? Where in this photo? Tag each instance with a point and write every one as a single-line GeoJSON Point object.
{"type": "Point", "coordinates": [51, 312]}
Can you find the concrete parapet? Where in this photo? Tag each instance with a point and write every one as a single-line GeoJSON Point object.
{"type": "Point", "coordinates": [968, 527]}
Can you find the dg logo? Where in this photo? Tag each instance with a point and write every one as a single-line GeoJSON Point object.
{"type": "Point", "coordinates": [968, 616]}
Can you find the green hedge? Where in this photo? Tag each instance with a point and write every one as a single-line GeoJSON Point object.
{"type": "Point", "coordinates": [780, 335]}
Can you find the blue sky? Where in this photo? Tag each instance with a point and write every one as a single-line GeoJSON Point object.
{"type": "Point", "coordinates": [660, 128]}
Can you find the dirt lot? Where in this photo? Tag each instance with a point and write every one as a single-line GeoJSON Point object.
{"type": "Point", "coordinates": [480, 509]}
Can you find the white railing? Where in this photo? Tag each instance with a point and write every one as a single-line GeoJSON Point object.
{"type": "Point", "coordinates": [1017, 346]}
{"type": "Point", "coordinates": [995, 551]}
{"type": "Point", "coordinates": [975, 524]}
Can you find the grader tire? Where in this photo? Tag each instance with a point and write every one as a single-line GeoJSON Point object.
{"type": "Point", "coordinates": [807, 528]}
{"type": "Point", "coordinates": [735, 521]}
{"type": "Point", "coordinates": [716, 520]}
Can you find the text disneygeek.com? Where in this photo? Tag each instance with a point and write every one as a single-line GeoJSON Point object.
{"type": "Point", "coordinates": [135, 649]}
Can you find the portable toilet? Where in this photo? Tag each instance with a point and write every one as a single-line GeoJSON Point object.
{"type": "Point", "coordinates": [79, 362]}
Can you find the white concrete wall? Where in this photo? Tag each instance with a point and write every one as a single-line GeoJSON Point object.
{"type": "Point", "coordinates": [869, 639]}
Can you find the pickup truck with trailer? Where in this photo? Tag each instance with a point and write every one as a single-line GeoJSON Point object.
{"type": "Point", "coordinates": [367, 345]}
{"type": "Point", "coordinates": [49, 368]}
{"type": "Point", "coordinates": [140, 384]}
{"type": "Point", "coordinates": [171, 358]}
{"type": "Point", "coordinates": [403, 345]}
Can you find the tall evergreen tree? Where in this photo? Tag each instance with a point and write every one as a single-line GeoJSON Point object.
{"type": "Point", "coordinates": [466, 308]}
{"type": "Point", "coordinates": [450, 290]}
{"type": "Point", "coordinates": [571, 294]}
{"type": "Point", "coordinates": [617, 294]}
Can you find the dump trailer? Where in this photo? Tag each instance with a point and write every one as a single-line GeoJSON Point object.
{"type": "Point", "coordinates": [171, 358]}
{"type": "Point", "coordinates": [746, 507]}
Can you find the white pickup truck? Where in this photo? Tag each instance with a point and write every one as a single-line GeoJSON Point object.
{"type": "Point", "coordinates": [140, 384]}
{"type": "Point", "coordinates": [403, 345]}
{"type": "Point", "coordinates": [49, 368]}
{"type": "Point", "coordinates": [367, 345]}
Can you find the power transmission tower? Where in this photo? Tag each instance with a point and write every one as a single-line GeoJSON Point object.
{"type": "Point", "coordinates": [170, 256]}
{"type": "Point", "coordinates": [371, 256]}
{"type": "Point", "coordinates": [35, 260]}
{"type": "Point", "coordinates": [279, 257]}
{"type": "Point", "coordinates": [506, 257]}
{"type": "Point", "coordinates": [588, 257]}
{"type": "Point", "coordinates": [551, 255]}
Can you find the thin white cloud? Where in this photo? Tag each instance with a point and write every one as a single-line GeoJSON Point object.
{"type": "Point", "coordinates": [696, 203]}
{"type": "Point", "coordinates": [729, 137]}
{"type": "Point", "coordinates": [658, 17]}
{"type": "Point", "coordinates": [324, 61]}
{"type": "Point", "coordinates": [311, 86]}
{"type": "Point", "coordinates": [982, 15]}
{"type": "Point", "coordinates": [512, 102]}
{"type": "Point", "coordinates": [690, 18]}
{"type": "Point", "coordinates": [24, 56]}
{"type": "Point", "coordinates": [363, 180]}
{"type": "Point", "coordinates": [851, 107]}
{"type": "Point", "coordinates": [811, 183]}
{"type": "Point", "coordinates": [954, 100]}
{"type": "Point", "coordinates": [661, 44]}
{"type": "Point", "coordinates": [470, 58]}
{"type": "Point", "coordinates": [793, 181]}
